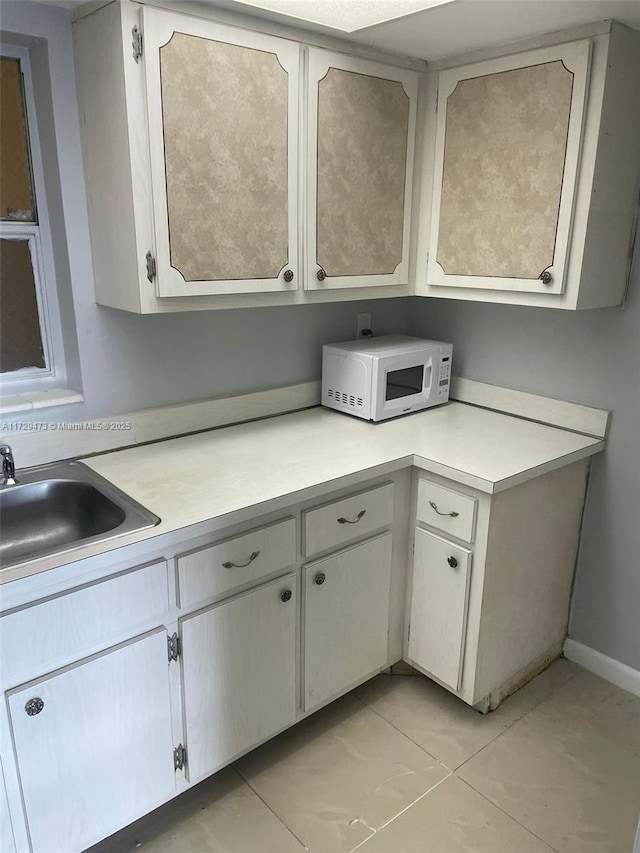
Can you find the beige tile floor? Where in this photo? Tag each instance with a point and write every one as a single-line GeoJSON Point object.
{"type": "Point", "coordinates": [401, 766]}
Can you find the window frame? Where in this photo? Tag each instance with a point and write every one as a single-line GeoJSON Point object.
{"type": "Point", "coordinates": [38, 235]}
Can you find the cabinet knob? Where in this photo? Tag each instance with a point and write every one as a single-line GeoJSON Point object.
{"type": "Point", "coordinates": [321, 274]}
{"type": "Point", "coordinates": [452, 562]}
{"type": "Point", "coordinates": [546, 277]}
{"type": "Point", "coordinates": [288, 275]}
{"type": "Point", "coordinates": [34, 706]}
{"type": "Point", "coordinates": [285, 595]}
{"type": "Point", "coordinates": [320, 578]}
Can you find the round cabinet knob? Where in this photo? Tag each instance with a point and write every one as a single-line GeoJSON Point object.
{"type": "Point", "coordinates": [288, 275]}
{"type": "Point", "coordinates": [34, 706]}
{"type": "Point", "coordinates": [452, 562]}
{"type": "Point", "coordinates": [320, 578]}
{"type": "Point", "coordinates": [546, 277]}
{"type": "Point", "coordinates": [321, 274]}
{"type": "Point", "coordinates": [285, 595]}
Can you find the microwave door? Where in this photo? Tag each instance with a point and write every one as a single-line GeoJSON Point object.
{"type": "Point", "coordinates": [404, 386]}
{"type": "Point", "coordinates": [407, 381]}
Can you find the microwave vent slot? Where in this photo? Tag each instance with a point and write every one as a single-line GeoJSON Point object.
{"type": "Point", "coordinates": [344, 398]}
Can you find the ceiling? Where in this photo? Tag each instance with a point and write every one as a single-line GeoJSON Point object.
{"type": "Point", "coordinates": [464, 25]}
{"type": "Point", "coordinates": [443, 30]}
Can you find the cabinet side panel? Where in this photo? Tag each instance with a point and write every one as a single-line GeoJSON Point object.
{"type": "Point", "coordinates": [616, 179]}
{"type": "Point", "coordinates": [100, 77]}
{"type": "Point", "coordinates": [533, 540]}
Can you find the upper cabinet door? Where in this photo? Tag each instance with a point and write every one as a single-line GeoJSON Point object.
{"type": "Point", "coordinates": [361, 129]}
{"type": "Point", "coordinates": [507, 151]}
{"type": "Point", "coordinates": [223, 128]}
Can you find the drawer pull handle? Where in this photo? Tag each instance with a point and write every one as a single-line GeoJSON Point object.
{"type": "Point", "coordinates": [355, 520]}
{"type": "Point", "coordinates": [435, 507]}
{"type": "Point", "coordinates": [34, 706]}
{"type": "Point", "coordinates": [320, 578]}
{"type": "Point", "coordinates": [285, 595]}
{"type": "Point", "coordinates": [230, 565]}
{"type": "Point", "coordinates": [452, 562]}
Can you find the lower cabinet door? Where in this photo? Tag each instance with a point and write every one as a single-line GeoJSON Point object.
{"type": "Point", "coordinates": [94, 744]}
{"type": "Point", "coordinates": [239, 670]}
{"type": "Point", "coordinates": [439, 595]}
{"type": "Point", "coordinates": [346, 627]}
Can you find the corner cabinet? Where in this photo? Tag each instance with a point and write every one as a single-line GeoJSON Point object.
{"type": "Point", "coordinates": [215, 137]}
{"type": "Point", "coordinates": [488, 599]}
{"type": "Point", "coordinates": [361, 126]}
{"type": "Point", "coordinates": [532, 174]}
{"type": "Point", "coordinates": [507, 145]}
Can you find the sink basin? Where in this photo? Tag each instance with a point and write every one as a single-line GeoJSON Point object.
{"type": "Point", "coordinates": [54, 508]}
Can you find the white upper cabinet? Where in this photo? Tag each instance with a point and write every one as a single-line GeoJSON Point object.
{"type": "Point", "coordinates": [361, 127]}
{"type": "Point", "coordinates": [530, 175]}
{"type": "Point", "coordinates": [200, 179]}
{"type": "Point", "coordinates": [223, 136]}
{"type": "Point", "coordinates": [508, 138]}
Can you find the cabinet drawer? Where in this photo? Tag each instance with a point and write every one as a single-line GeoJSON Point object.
{"type": "Point", "coordinates": [347, 519]}
{"type": "Point", "coordinates": [73, 624]}
{"type": "Point", "coordinates": [211, 571]}
{"type": "Point", "coordinates": [449, 511]}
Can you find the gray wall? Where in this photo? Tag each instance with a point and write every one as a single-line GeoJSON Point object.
{"type": "Point", "coordinates": [588, 357]}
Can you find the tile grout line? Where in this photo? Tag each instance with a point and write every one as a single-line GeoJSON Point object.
{"type": "Point", "coordinates": [515, 723]}
{"type": "Point", "coordinates": [276, 815]}
{"type": "Point", "coordinates": [402, 811]}
{"type": "Point", "coordinates": [506, 813]}
{"type": "Point", "coordinates": [404, 734]}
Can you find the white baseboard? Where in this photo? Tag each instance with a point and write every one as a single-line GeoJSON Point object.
{"type": "Point", "coordinates": [617, 673]}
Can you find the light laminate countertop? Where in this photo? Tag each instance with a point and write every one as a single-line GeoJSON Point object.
{"type": "Point", "coordinates": [217, 473]}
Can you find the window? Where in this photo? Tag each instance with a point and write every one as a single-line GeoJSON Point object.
{"type": "Point", "coordinates": [31, 351]}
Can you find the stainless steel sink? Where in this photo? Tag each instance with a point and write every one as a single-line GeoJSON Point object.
{"type": "Point", "coordinates": [54, 508]}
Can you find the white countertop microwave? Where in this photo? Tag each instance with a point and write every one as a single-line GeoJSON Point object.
{"type": "Point", "coordinates": [380, 378]}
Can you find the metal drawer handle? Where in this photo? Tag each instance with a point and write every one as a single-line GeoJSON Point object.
{"type": "Point", "coordinates": [452, 562]}
{"type": "Point", "coordinates": [435, 506]}
{"type": "Point", "coordinates": [230, 565]}
{"type": "Point", "coordinates": [355, 520]}
{"type": "Point", "coordinates": [320, 578]}
{"type": "Point", "coordinates": [285, 595]}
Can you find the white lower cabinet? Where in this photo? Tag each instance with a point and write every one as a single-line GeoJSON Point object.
{"type": "Point", "coordinates": [346, 618]}
{"type": "Point", "coordinates": [484, 619]}
{"type": "Point", "coordinates": [439, 600]}
{"type": "Point", "coordinates": [239, 674]}
{"type": "Point", "coordinates": [94, 744]}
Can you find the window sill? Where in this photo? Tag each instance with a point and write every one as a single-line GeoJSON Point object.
{"type": "Point", "coordinates": [31, 400]}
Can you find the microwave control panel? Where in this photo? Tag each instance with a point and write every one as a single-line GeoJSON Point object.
{"type": "Point", "coordinates": [444, 379]}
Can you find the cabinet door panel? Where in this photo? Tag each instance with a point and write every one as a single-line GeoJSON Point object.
{"type": "Point", "coordinates": [100, 752]}
{"type": "Point", "coordinates": [439, 597]}
{"type": "Point", "coordinates": [361, 128]}
{"type": "Point", "coordinates": [507, 152]}
{"type": "Point", "coordinates": [223, 138]}
{"type": "Point", "coordinates": [346, 623]}
{"type": "Point", "coordinates": [239, 668]}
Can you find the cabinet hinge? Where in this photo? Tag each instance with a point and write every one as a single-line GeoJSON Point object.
{"type": "Point", "coordinates": [179, 757]}
{"type": "Point", "coordinates": [174, 647]}
{"type": "Point", "coordinates": [151, 266]}
{"type": "Point", "coordinates": [136, 43]}
{"type": "Point", "coordinates": [408, 632]}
